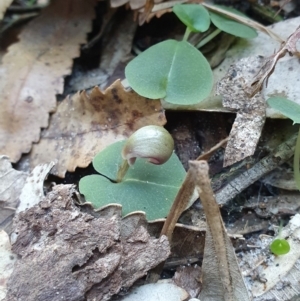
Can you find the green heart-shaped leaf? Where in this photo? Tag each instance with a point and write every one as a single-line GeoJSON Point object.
{"type": "Point", "coordinates": [194, 16]}
{"type": "Point", "coordinates": [145, 187]}
{"type": "Point", "coordinates": [175, 71]}
{"type": "Point", "coordinates": [285, 106]}
{"type": "Point", "coordinates": [230, 26]}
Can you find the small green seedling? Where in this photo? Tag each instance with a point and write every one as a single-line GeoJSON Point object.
{"type": "Point", "coordinates": [141, 173]}
{"type": "Point", "coordinates": [291, 110]}
{"type": "Point", "coordinates": [280, 246]}
{"type": "Point", "coordinates": [176, 71]}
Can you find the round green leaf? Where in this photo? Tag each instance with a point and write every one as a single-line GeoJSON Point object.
{"type": "Point", "coordinates": [285, 106]}
{"type": "Point", "coordinates": [194, 16]}
{"type": "Point", "coordinates": [175, 71]}
{"type": "Point", "coordinates": [145, 187]}
{"type": "Point", "coordinates": [230, 26]}
{"type": "Point", "coordinates": [280, 247]}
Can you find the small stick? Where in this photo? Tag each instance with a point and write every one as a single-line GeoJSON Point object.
{"type": "Point", "coordinates": [209, 153]}
{"type": "Point", "coordinates": [181, 201]}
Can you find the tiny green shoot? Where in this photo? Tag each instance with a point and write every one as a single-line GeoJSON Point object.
{"type": "Point", "coordinates": [280, 246]}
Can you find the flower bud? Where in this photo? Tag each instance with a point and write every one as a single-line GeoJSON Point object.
{"type": "Point", "coordinates": [152, 142]}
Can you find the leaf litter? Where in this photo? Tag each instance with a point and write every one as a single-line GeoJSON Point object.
{"type": "Point", "coordinates": [110, 257]}
{"type": "Point", "coordinates": [83, 125]}
{"type": "Point", "coordinates": [32, 72]}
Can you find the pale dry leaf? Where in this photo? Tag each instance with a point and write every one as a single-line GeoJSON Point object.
{"type": "Point", "coordinates": [67, 254]}
{"type": "Point", "coordinates": [33, 69]}
{"type": "Point", "coordinates": [221, 277]}
{"type": "Point", "coordinates": [7, 260]}
{"type": "Point", "coordinates": [4, 4]}
{"type": "Point", "coordinates": [83, 125]}
{"type": "Point", "coordinates": [33, 190]}
{"type": "Point", "coordinates": [11, 184]}
{"type": "Point", "coordinates": [251, 112]}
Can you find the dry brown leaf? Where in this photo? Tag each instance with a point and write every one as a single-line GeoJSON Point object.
{"type": "Point", "coordinates": [267, 69]}
{"type": "Point", "coordinates": [4, 4]}
{"type": "Point", "coordinates": [251, 112]}
{"type": "Point", "coordinates": [67, 254]}
{"type": "Point", "coordinates": [11, 184]}
{"type": "Point", "coordinates": [83, 125]}
{"type": "Point", "coordinates": [221, 277]}
{"type": "Point", "coordinates": [33, 69]}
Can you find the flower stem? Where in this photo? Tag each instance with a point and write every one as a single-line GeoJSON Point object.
{"type": "Point", "coordinates": [186, 34]}
{"type": "Point", "coordinates": [296, 162]}
{"type": "Point", "coordinates": [122, 171]}
{"type": "Point", "coordinates": [208, 38]}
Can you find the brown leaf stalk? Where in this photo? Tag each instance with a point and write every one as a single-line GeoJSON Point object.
{"type": "Point", "coordinates": [221, 276]}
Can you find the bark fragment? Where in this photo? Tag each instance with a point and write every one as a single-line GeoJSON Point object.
{"type": "Point", "coordinates": [67, 254]}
